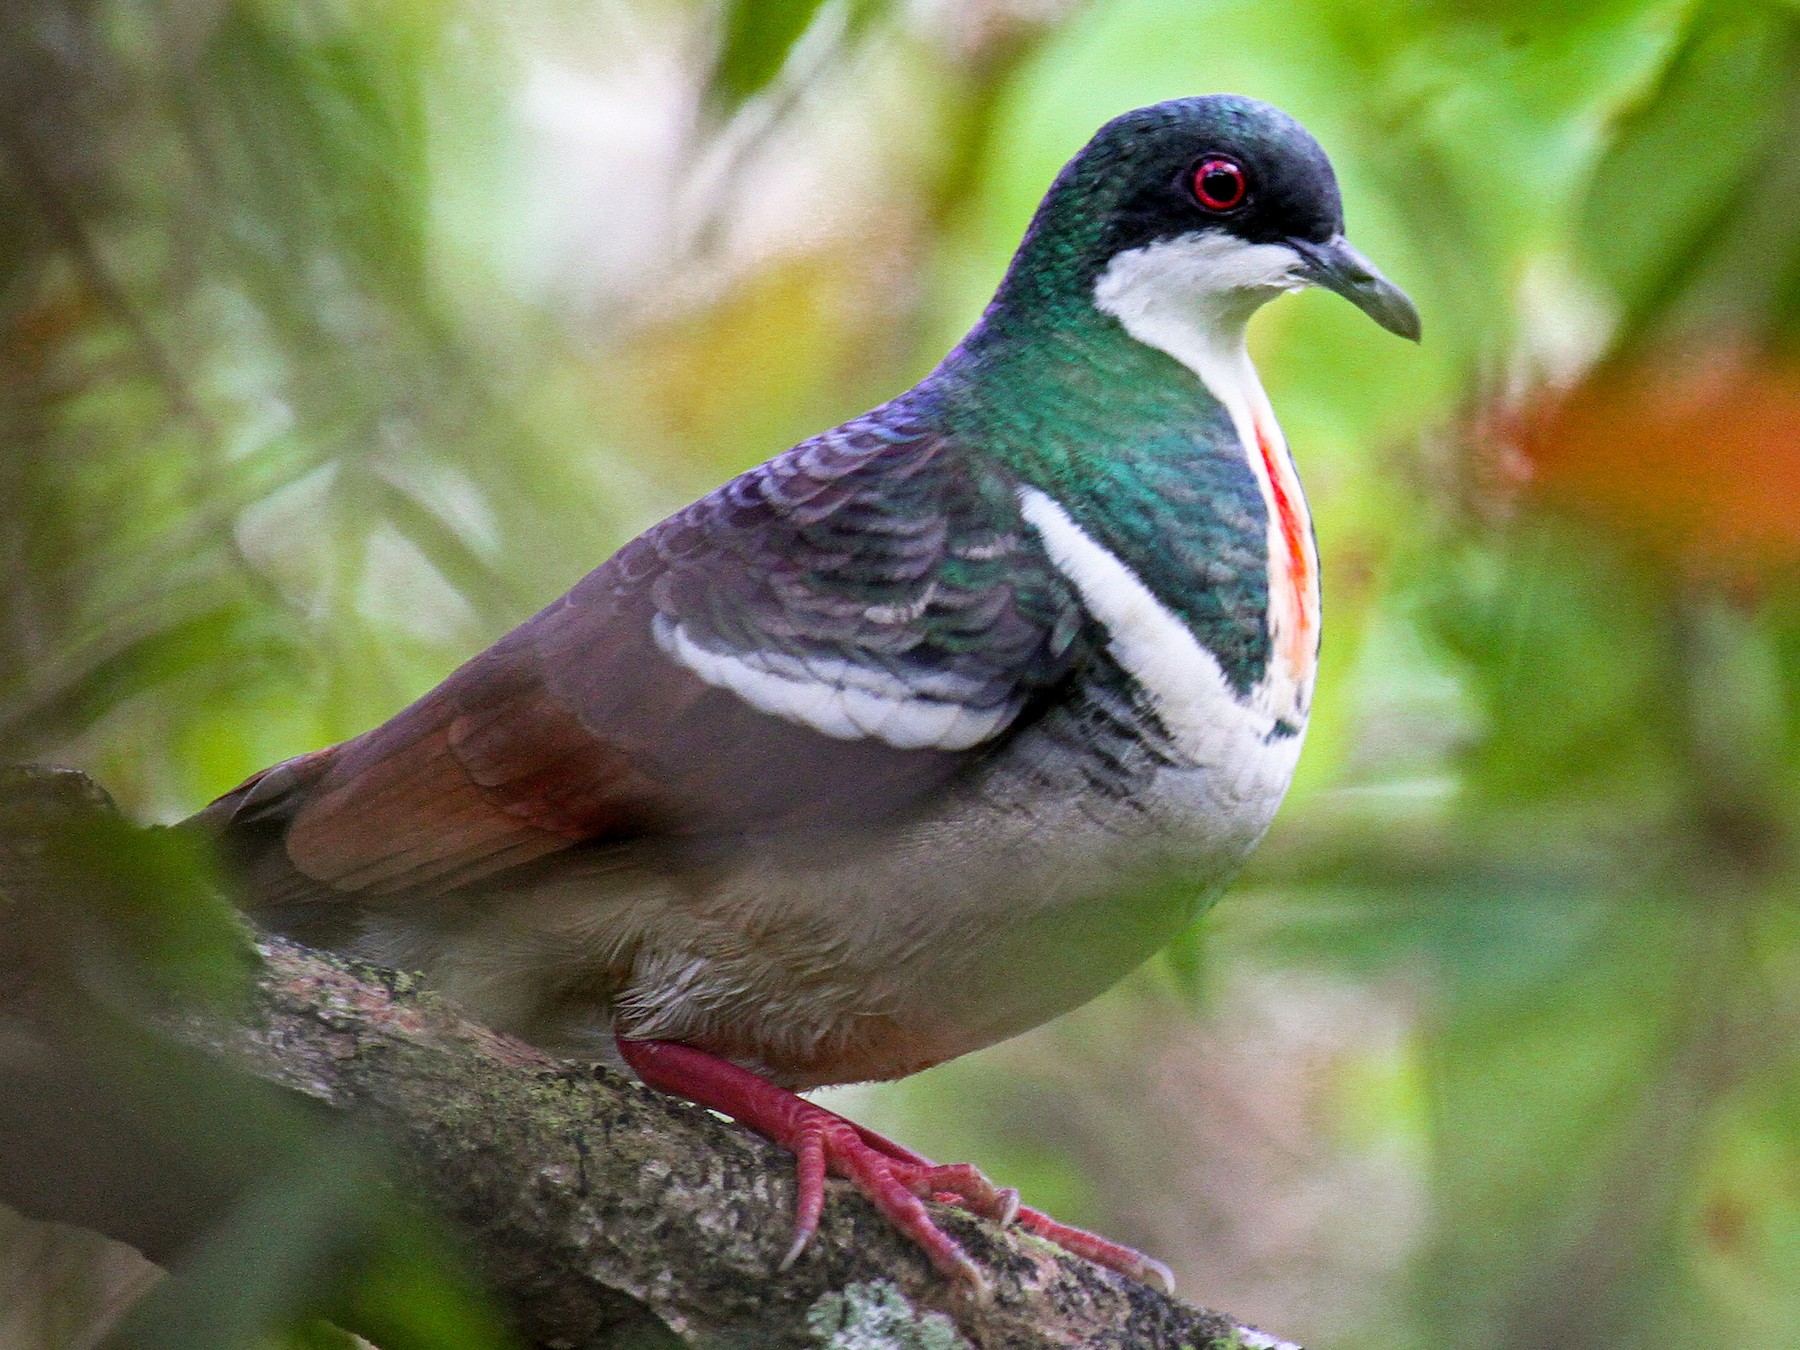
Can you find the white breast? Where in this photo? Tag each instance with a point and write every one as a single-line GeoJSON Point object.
{"type": "Point", "coordinates": [1192, 298]}
{"type": "Point", "coordinates": [1209, 724]}
{"type": "Point", "coordinates": [1237, 765]}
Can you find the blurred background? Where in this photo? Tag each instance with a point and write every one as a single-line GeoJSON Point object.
{"type": "Point", "coordinates": [337, 336]}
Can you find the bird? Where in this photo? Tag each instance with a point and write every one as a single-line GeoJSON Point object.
{"type": "Point", "coordinates": [906, 740]}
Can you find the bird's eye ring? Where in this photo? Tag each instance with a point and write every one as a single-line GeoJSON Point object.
{"type": "Point", "coordinates": [1220, 184]}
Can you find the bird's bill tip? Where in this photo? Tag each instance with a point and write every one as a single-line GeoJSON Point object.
{"type": "Point", "coordinates": [1339, 267]}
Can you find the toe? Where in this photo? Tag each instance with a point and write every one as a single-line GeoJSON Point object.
{"type": "Point", "coordinates": [1008, 1212]}
{"type": "Point", "coordinates": [1101, 1251]}
{"type": "Point", "coordinates": [1154, 1273]}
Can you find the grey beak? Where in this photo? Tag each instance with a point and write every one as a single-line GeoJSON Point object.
{"type": "Point", "coordinates": [1337, 266]}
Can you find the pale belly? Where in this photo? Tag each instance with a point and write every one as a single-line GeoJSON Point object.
{"type": "Point", "coordinates": [873, 958]}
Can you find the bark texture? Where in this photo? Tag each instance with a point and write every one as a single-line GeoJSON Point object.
{"type": "Point", "coordinates": [600, 1213]}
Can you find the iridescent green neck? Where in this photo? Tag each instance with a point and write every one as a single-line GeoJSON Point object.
{"type": "Point", "coordinates": [1133, 447]}
{"type": "Point", "coordinates": [1054, 391]}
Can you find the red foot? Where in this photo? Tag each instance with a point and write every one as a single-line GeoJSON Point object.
{"type": "Point", "coordinates": [892, 1178]}
{"type": "Point", "coordinates": [1089, 1246]}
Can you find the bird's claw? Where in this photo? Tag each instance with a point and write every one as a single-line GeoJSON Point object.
{"type": "Point", "coordinates": [1101, 1251]}
{"type": "Point", "coordinates": [894, 1179]}
{"type": "Point", "coordinates": [1009, 1207]}
{"type": "Point", "coordinates": [826, 1143]}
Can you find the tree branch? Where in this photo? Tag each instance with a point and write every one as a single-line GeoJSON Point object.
{"type": "Point", "coordinates": [600, 1213]}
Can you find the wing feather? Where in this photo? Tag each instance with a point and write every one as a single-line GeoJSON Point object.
{"type": "Point", "coordinates": [821, 642]}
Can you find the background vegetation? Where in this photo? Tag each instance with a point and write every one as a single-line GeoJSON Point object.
{"type": "Point", "coordinates": [336, 336]}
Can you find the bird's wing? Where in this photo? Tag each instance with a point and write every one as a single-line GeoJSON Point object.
{"type": "Point", "coordinates": [820, 642]}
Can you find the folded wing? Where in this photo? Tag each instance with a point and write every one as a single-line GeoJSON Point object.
{"type": "Point", "coordinates": [820, 643]}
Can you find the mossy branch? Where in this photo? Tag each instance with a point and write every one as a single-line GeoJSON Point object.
{"type": "Point", "coordinates": [598, 1212]}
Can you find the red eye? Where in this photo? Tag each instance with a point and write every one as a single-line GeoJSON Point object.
{"type": "Point", "coordinates": [1219, 184]}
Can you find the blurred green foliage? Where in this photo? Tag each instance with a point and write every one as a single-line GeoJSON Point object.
{"type": "Point", "coordinates": [335, 336]}
{"type": "Point", "coordinates": [322, 1240]}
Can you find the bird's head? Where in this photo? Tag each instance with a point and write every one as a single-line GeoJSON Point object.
{"type": "Point", "coordinates": [1211, 205]}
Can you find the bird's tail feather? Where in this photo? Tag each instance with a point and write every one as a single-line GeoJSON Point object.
{"type": "Point", "coordinates": [248, 825]}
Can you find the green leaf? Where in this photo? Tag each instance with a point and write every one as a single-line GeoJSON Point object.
{"type": "Point", "coordinates": [1566, 646]}
{"type": "Point", "coordinates": [758, 36]}
{"type": "Point", "coordinates": [326, 1234]}
{"type": "Point", "coordinates": [1681, 161]}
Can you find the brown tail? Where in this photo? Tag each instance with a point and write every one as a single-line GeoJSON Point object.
{"type": "Point", "coordinates": [249, 824]}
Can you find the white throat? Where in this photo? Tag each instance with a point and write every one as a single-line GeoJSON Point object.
{"type": "Point", "coordinates": [1192, 298]}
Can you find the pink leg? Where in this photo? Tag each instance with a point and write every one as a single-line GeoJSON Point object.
{"type": "Point", "coordinates": [1089, 1246]}
{"type": "Point", "coordinates": [892, 1178]}
{"type": "Point", "coordinates": [823, 1141]}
